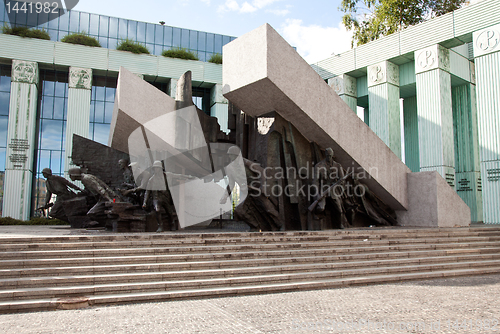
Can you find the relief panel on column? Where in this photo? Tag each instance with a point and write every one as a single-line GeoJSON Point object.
{"type": "Point", "coordinates": [383, 101]}
{"type": "Point", "coordinates": [345, 86]}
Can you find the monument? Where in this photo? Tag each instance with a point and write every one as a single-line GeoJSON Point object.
{"type": "Point", "coordinates": [297, 157]}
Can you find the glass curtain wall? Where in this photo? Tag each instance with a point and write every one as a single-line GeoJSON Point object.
{"type": "Point", "coordinates": [4, 119]}
{"type": "Point", "coordinates": [51, 126]}
{"type": "Point", "coordinates": [110, 30]}
{"type": "Point", "coordinates": [101, 108]}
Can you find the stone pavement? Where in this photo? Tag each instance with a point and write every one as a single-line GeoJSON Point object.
{"type": "Point", "coordinates": [453, 305]}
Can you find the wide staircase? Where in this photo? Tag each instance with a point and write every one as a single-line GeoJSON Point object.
{"type": "Point", "coordinates": [46, 273]}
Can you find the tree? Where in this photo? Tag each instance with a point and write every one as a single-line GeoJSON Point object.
{"type": "Point", "coordinates": [370, 19]}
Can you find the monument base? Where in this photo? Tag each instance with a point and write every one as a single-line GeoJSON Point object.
{"type": "Point", "coordinates": [433, 203]}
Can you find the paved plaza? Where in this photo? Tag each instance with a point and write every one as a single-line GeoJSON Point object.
{"type": "Point", "coordinates": [451, 305]}
{"type": "Point", "coordinates": [456, 305]}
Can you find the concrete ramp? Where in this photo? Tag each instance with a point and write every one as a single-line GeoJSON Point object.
{"type": "Point", "coordinates": [263, 73]}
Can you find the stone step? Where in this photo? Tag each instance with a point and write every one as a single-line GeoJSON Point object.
{"type": "Point", "coordinates": [397, 232]}
{"type": "Point", "coordinates": [332, 240]}
{"type": "Point", "coordinates": [154, 272]}
{"type": "Point", "coordinates": [46, 304]}
{"type": "Point", "coordinates": [318, 247]}
{"type": "Point", "coordinates": [236, 259]}
{"type": "Point", "coordinates": [233, 280]}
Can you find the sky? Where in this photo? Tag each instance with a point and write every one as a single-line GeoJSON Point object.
{"type": "Point", "coordinates": [313, 27]}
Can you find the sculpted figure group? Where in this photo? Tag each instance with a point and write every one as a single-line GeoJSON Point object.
{"type": "Point", "coordinates": [261, 210]}
{"type": "Point", "coordinates": [135, 191]}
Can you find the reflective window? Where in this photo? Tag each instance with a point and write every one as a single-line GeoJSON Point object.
{"type": "Point", "coordinates": [4, 119]}
{"type": "Point", "coordinates": [44, 17]}
{"type": "Point", "coordinates": [218, 44]}
{"type": "Point", "coordinates": [101, 108]}
{"type": "Point", "coordinates": [122, 28]}
{"type": "Point", "coordinates": [84, 22]}
{"type": "Point", "coordinates": [132, 29]}
{"type": "Point", "coordinates": [74, 21]}
{"type": "Point", "coordinates": [159, 34]}
{"type": "Point", "coordinates": [64, 22]}
{"type": "Point", "coordinates": [94, 24]}
{"type": "Point", "coordinates": [150, 33]}
{"type": "Point", "coordinates": [176, 33]}
{"type": "Point", "coordinates": [141, 32]}
{"type": "Point", "coordinates": [32, 20]}
{"type": "Point", "coordinates": [110, 30]}
{"type": "Point", "coordinates": [210, 42]}
{"type": "Point", "coordinates": [193, 40]}
{"type": "Point", "coordinates": [202, 41]}
{"type": "Point", "coordinates": [50, 152]}
{"type": "Point", "coordinates": [185, 38]}
{"type": "Point", "coordinates": [113, 27]}
{"type": "Point", "coordinates": [21, 18]}
{"type": "Point", "coordinates": [167, 36]}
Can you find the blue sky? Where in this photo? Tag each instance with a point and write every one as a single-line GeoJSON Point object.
{"type": "Point", "coordinates": [312, 26]}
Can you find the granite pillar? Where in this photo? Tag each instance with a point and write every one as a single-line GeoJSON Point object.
{"type": "Point", "coordinates": [486, 44]}
{"type": "Point", "coordinates": [383, 101]}
{"type": "Point", "coordinates": [19, 167]}
{"type": "Point", "coordinates": [79, 94]}
{"type": "Point", "coordinates": [434, 109]}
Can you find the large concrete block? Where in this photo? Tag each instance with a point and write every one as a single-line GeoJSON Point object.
{"type": "Point", "coordinates": [136, 103]}
{"type": "Point", "coordinates": [262, 73]}
{"type": "Point", "coordinates": [433, 203]}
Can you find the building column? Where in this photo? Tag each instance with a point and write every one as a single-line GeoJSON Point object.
{"type": "Point", "coordinates": [345, 86]}
{"type": "Point", "coordinates": [467, 163]}
{"type": "Point", "coordinates": [410, 120]}
{"type": "Point", "coordinates": [487, 62]}
{"type": "Point", "coordinates": [219, 107]}
{"type": "Point", "coordinates": [77, 122]}
{"type": "Point", "coordinates": [383, 103]}
{"type": "Point", "coordinates": [19, 167]}
{"type": "Point", "coordinates": [434, 110]}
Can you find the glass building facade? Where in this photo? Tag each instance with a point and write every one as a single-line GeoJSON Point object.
{"type": "Point", "coordinates": [52, 103]}
{"type": "Point", "coordinates": [110, 30]}
{"type": "Point", "coordinates": [4, 118]}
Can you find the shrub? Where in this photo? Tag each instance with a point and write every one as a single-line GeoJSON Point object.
{"type": "Point", "coordinates": [81, 38]}
{"type": "Point", "coordinates": [216, 58]}
{"type": "Point", "coordinates": [180, 53]}
{"type": "Point", "coordinates": [32, 221]}
{"type": "Point", "coordinates": [130, 45]}
{"type": "Point", "coordinates": [26, 32]}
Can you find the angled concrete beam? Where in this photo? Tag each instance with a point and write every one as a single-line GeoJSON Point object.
{"type": "Point", "coordinates": [263, 73]}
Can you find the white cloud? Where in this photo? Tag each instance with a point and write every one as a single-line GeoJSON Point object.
{"type": "Point", "coordinates": [246, 7]}
{"type": "Point", "coordinates": [315, 43]}
{"type": "Point", "coordinates": [279, 12]}
{"type": "Point", "coordinates": [207, 2]}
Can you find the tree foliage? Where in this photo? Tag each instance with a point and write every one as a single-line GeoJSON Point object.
{"type": "Point", "coordinates": [371, 19]}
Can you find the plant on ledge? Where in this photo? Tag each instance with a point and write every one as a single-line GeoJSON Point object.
{"type": "Point", "coordinates": [215, 58]}
{"type": "Point", "coordinates": [26, 32]}
{"type": "Point", "coordinates": [130, 45]}
{"type": "Point", "coordinates": [81, 38]}
{"type": "Point", "coordinates": [180, 53]}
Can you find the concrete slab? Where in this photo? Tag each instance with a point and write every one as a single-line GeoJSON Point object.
{"type": "Point", "coordinates": [432, 202]}
{"type": "Point", "coordinates": [263, 73]}
{"type": "Point", "coordinates": [130, 112]}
